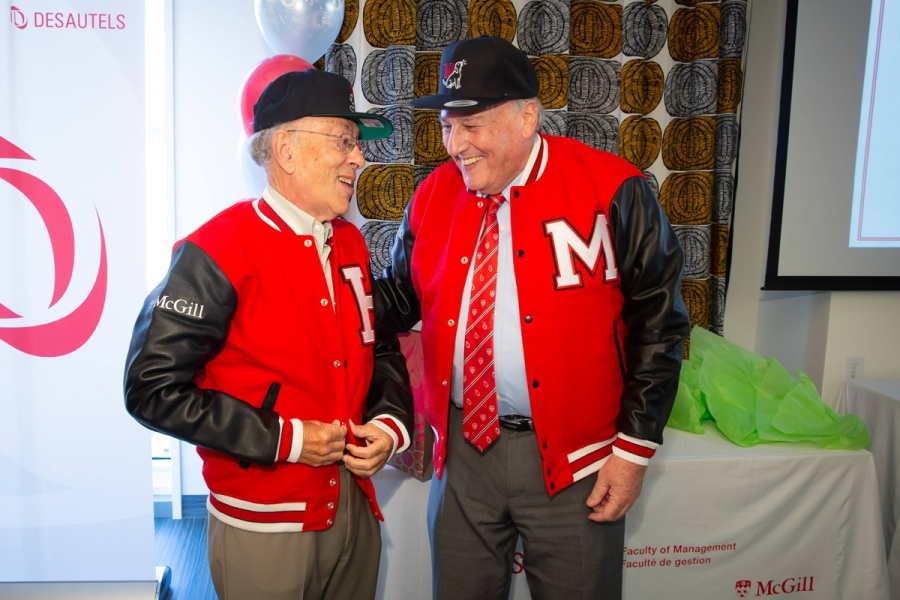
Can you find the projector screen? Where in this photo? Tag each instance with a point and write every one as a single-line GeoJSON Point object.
{"type": "Point", "coordinates": [835, 211]}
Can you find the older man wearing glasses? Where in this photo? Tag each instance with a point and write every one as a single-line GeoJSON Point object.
{"type": "Point", "coordinates": [260, 347]}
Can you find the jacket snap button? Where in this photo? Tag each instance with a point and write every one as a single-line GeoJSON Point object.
{"type": "Point", "coordinates": [444, 382]}
{"type": "Point", "coordinates": [528, 318]}
{"type": "Point", "coordinates": [521, 253]}
{"type": "Point", "coordinates": [451, 322]}
{"type": "Point", "coordinates": [331, 506]}
{"type": "Point", "coordinates": [337, 363]}
{"type": "Point", "coordinates": [332, 482]}
{"type": "Point", "coordinates": [535, 383]}
{"type": "Point", "coordinates": [323, 302]}
{"type": "Point", "coordinates": [516, 194]}
{"type": "Point", "coordinates": [548, 470]}
{"type": "Point", "coordinates": [464, 260]}
{"type": "Point", "coordinates": [307, 243]}
{"type": "Point", "coordinates": [329, 522]}
{"type": "Point", "coordinates": [480, 204]}
{"type": "Point", "coordinates": [545, 445]}
{"type": "Point", "coordinates": [552, 486]}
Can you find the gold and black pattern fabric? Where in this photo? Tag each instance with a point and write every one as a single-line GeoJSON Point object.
{"type": "Point", "coordinates": [387, 75]}
{"type": "Point", "coordinates": [644, 28]}
{"type": "Point", "coordinates": [428, 142]}
{"type": "Point", "coordinates": [440, 23]}
{"type": "Point", "coordinates": [555, 123]}
{"type": "Point", "coordinates": [553, 79]}
{"type": "Point", "coordinates": [694, 33]}
{"type": "Point", "coordinates": [383, 191]}
{"type": "Point", "coordinates": [658, 82]}
{"type": "Point", "coordinates": [544, 27]}
{"type": "Point", "coordinates": [696, 299]}
{"type": "Point", "coordinates": [428, 65]}
{"type": "Point", "coordinates": [731, 84]}
{"type": "Point", "coordinates": [642, 86]}
{"type": "Point", "coordinates": [340, 59]}
{"type": "Point", "coordinates": [639, 141]}
{"type": "Point", "coordinates": [690, 144]}
{"type": "Point", "coordinates": [593, 84]}
{"type": "Point", "coordinates": [379, 236]}
{"type": "Point", "coordinates": [492, 17]}
{"type": "Point", "coordinates": [719, 254]}
{"type": "Point", "coordinates": [691, 89]}
{"type": "Point", "coordinates": [687, 198]}
{"type": "Point", "coordinates": [351, 16]}
{"type": "Point", "coordinates": [397, 147]}
{"type": "Point", "coordinates": [596, 29]}
{"type": "Point", "coordinates": [389, 23]}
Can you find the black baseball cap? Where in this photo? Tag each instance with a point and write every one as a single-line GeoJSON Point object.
{"type": "Point", "coordinates": [481, 72]}
{"type": "Point", "coordinates": [314, 93]}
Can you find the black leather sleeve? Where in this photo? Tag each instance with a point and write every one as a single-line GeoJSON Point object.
{"type": "Point", "coordinates": [389, 393]}
{"type": "Point", "coordinates": [169, 348]}
{"type": "Point", "coordinates": [650, 261]}
{"type": "Point", "coordinates": [401, 306]}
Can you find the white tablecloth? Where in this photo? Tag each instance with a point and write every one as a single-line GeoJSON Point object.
{"type": "Point", "coordinates": [713, 520]}
{"type": "Point", "coordinates": [878, 404]}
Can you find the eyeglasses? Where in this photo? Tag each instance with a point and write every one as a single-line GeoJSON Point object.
{"type": "Point", "coordinates": [345, 141]}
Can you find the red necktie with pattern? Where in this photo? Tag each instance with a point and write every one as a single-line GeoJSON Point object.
{"type": "Point", "coordinates": [480, 425]}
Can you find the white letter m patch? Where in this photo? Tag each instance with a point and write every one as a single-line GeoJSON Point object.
{"type": "Point", "coordinates": [568, 244]}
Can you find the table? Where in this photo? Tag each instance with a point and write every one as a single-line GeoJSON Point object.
{"type": "Point", "coordinates": [714, 520]}
{"type": "Point", "coordinates": [878, 404]}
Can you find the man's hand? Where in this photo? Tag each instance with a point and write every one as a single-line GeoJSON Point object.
{"type": "Point", "coordinates": [618, 487]}
{"type": "Point", "coordinates": [323, 443]}
{"type": "Point", "coordinates": [365, 461]}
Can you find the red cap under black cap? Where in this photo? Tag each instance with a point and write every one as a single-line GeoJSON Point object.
{"type": "Point", "coordinates": [481, 72]}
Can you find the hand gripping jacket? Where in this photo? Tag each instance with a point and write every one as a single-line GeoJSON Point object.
{"type": "Point", "coordinates": [245, 305]}
{"type": "Point", "coordinates": [598, 271]}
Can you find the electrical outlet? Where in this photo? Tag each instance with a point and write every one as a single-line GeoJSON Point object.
{"type": "Point", "coordinates": [855, 365]}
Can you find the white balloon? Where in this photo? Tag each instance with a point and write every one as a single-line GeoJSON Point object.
{"type": "Point", "coordinates": [304, 28]}
{"type": "Point", "coordinates": [254, 175]}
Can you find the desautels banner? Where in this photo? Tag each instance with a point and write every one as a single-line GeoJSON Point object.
{"type": "Point", "coordinates": [75, 480]}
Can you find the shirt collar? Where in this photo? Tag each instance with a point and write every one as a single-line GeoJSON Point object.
{"type": "Point", "coordinates": [300, 222]}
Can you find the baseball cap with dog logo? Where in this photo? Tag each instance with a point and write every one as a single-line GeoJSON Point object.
{"type": "Point", "coordinates": [481, 72]}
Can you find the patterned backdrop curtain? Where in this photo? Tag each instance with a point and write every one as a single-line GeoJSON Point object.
{"type": "Point", "coordinates": [658, 82]}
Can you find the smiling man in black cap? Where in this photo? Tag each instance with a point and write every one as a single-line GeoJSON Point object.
{"type": "Point", "coordinates": [547, 280]}
{"type": "Point", "coordinates": [259, 346]}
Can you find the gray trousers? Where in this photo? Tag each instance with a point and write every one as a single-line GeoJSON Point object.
{"type": "Point", "coordinates": [484, 502]}
{"type": "Point", "coordinates": [340, 563]}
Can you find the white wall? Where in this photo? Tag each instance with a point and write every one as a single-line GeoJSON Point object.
{"type": "Point", "coordinates": [810, 331]}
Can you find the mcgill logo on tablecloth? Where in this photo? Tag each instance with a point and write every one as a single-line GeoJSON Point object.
{"type": "Point", "coordinates": [772, 588]}
{"type": "Point", "coordinates": [70, 332]}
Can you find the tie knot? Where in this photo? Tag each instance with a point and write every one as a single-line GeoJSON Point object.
{"type": "Point", "coordinates": [498, 199]}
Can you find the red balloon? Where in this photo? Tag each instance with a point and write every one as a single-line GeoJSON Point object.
{"type": "Point", "coordinates": [262, 75]}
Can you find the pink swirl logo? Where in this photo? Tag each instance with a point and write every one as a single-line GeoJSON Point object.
{"type": "Point", "coordinates": [71, 332]}
{"type": "Point", "coordinates": [18, 18]}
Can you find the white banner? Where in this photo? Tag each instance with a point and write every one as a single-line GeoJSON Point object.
{"type": "Point", "coordinates": [75, 481]}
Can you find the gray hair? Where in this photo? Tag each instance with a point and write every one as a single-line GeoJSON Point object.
{"type": "Point", "coordinates": [521, 104]}
{"type": "Point", "coordinates": [260, 146]}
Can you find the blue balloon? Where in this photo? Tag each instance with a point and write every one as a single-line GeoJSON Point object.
{"type": "Point", "coordinates": [304, 28]}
